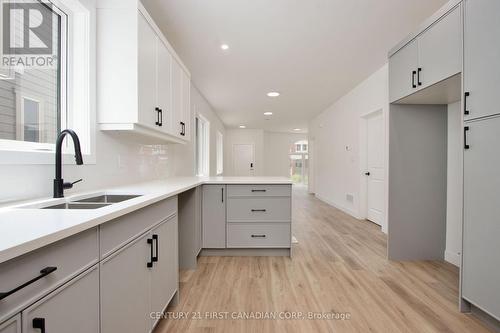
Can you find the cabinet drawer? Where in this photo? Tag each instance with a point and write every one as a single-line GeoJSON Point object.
{"type": "Point", "coordinates": [259, 190]}
{"type": "Point", "coordinates": [71, 256]}
{"type": "Point", "coordinates": [271, 209]}
{"type": "Point", "coordinates": [257, 235]}
{"type": "Point", "coordinates": [117, 233]}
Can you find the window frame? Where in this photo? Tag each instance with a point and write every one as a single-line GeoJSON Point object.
{"type": "Point", "coordinates": [202, 146]}
{"type": "Point", "coordinates": [77, 88]}
{"type": "Point", "coordinates": [21, 98]}
{"type": "Point", "coordinates": [220, 153]}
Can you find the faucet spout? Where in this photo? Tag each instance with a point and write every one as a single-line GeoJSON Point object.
{"type": "Point", "coordinates": [59, 184]}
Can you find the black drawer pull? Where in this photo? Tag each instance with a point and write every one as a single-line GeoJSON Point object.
{"type": "Point", "coordinates": [467, 94]}
{"type": "Point", "coordinates": [150, 262]}
{"type": "Point", "coordinates": [259, 190]}
{"type": "Point", "coordinates": [155, 258]}
{"type": "Point", "coordinates": [258, 236]}
{"type": "Point", "coordinates": [466, 129]}
{"type": "Point", "coordinates": [39, 323]}
{"type": "Point", "coordinates": [413, 85]}
{"type": "Point", "coordinates": [161, 117]}
{"type": "Point", "coordinates": [43, 273]}
{"type": "Point", "coordinates": [157, 110]}
{"type": "Point", "coordinates": [418, 77]}
{"type": "Point", "coordinates": [259, 210]}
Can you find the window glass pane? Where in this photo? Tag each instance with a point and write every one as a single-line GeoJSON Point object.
{"type": "Point", "coordinates": [33, 81]}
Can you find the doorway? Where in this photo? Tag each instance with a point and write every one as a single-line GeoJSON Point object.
{"type": "Point", "coordinates": [299, 163]}
{"type": "Point", "coordinates": [373, 160]}
{"type": "Point", "coordinates": [243, 160]}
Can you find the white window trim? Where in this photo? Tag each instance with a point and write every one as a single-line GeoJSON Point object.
{"type": "Point", "coordinates": [220, 153]}
{"type": "Point", "coordinates": [205, 160]}
{"type": "Point", "coordinates": [80, 87]}
{"type": "Point", "coordinates": [21, 97]}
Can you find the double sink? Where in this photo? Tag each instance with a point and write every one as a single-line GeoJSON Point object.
{"type": "Point", "coordinates": [93, 202]}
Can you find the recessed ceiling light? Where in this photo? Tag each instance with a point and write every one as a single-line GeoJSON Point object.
{"type": "Point", "coordinates": [273, 94]}
{"type": "Point", "coordinates": [224, 47]}
{"type": "Point", "coordinates": [243, 126]}
{"type": "Point", "coordinates": [268, 113]}
{"type": "Point", "coordinates": [297, 129]}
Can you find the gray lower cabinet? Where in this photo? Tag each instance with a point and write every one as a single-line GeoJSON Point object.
{"type": "Point", "coordinates": [72, 308]}
{"type": "Point", "coordinates": [125, 288]}
{"type": "Point", "coordinates": [13, 325]}
{"type": "Point", "coordinates": [481, 246]}
{"type": "Point", "coordinates": [481, 54]}
{"type": "Point", "coordinates": [214, 216]}
{"type": "Point", "coordinates": [164, 274]}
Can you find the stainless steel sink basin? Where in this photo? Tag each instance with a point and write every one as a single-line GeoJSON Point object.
{"type": "Point", "coordinates": [76, 205]}
{"type": "Point", "coordinates": [108, 198]}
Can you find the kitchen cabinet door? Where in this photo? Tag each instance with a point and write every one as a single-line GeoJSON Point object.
{"type": "Point", "coordinates": [402, 71]}
{"type": "Point", "coordinates": [186, 106]}
{"type": "Point", "coordinates": [440, 50]}
{"type": "Point", "coordinates": [164, 91]}
{"type": "Point", "coordinates": [165, 272]}
{"type": "Point", "coordinates": [177, 110]}
{"type": "Point", "coordinates": [12, 325]}
{"type": "Point", "coordinates": [214, 216]}
{"type": "Point", "coordinates": [125, 288]}
{"type": "Point", "coordinates": [146, 84]}
{"type": "Point", "coordinates": [72, 308]}
{"type": "Point", "coordinates": [481, 272]}
{"type": "Point", "coordinates": [481, 54]}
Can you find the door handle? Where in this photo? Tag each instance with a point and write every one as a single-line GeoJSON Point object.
{"type": "Point", "coordinates": [413, 73]}
{"type": "Point", "coordinates": [367, 173]}
{"type": "Point", "coordinates": [155, 240]}
{"type": "Point", "coordinates": [418, 76]}
{"type": "Point", "coordinates": [43, 273]}
{"type": "Point", "coordinates": [39, 323]}
{"type": "Point", "coordinates": [466, 129]}
{"type": "Point", "coordinates": [149, 264]}
{"type": "Point", "coordinates": [466, 95]}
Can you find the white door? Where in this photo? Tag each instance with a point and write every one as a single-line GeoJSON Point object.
{"type": "Point", "coordinates": [243, 161]}
{"type": "Point", "coordinates": [375, 170]}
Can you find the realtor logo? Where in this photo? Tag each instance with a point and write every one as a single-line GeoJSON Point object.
{"type": "Point", "coordinates": [27, 28]}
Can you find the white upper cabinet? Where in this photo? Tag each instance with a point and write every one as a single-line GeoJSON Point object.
{"type": "Point", "coordinates": [143, 84]}
{"type": "Point", "coordinates": [481, 56]}
{"type": "Point", "coordinates": [433, 56]}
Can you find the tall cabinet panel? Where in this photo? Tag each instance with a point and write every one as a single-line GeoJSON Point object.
{"type": "Point", "coordinates": [481, 246]}
{"type": "Point", "coordinates": [164, 85]}
{"type": "Point", "coordinates": [214, 216]}
{"type": "Point", "coordinates": [481, 56]}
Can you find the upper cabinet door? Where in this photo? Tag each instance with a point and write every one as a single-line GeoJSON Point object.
{"type": "Point", "coordinates": [440, 50]}
{"type": "Point", "coordinates": [148, 114]}
{"type": "Point", "coordinates": [164, 86]}
{"type": "Point", "coordinates": [176, 99]}
{"type": "Point", "coordinates": [186, 106]}
{"type": "Point", "coordinates": [481, 57]}
{"type": "Point", "coordinates": [402, 72]}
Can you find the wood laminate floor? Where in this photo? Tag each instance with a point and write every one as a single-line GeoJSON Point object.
{"type": "Point", "coordinates": [339, 266]}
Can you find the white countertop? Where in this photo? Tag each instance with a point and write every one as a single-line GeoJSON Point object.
{"type": "Point", "coordinates": [26, 229]}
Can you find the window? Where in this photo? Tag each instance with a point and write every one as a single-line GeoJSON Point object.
{"type": "Point", "coordinates": [45, 78]}
{"type": "Point", "coordinates": [299, 162]}
{"type": "Point", "coordinates": [220, 153]}
{"type": "Point", "coordinates": [202, 146]}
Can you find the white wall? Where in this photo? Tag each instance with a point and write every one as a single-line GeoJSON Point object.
{"type": "Point", "coordinates": [454, 186]}
{"type": "Point", "coordinates": [244, 136]}
{"type": "Point", "coordinates": [185, 159]}
{"type": "Point", "coordinates": [277, 152]}
{"type": "Point", "coordinates": [336, 135]}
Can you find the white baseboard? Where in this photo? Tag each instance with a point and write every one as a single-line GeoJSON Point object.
{"type": "Point", "coordinates": [452, 257]}
{"type": "Point", "coordinates": [340, 207]}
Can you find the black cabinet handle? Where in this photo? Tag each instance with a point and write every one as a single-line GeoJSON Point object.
{"type": "Point", "coordinates": [418, 76]}
{"type": "Point", "coordinates": [183, 128]}
{"type": "Point", "coordinates": [467, 94]}
{"type": "Point", "coordinates": [157, 110]}
{"type": "Point", "coordinates": [258, 236]}
{"type": "Point", "coordinates": [150, 262]}
{"type": "Point", "coordinates": [466, 129]}
{"type": "Point", "coordinates": [258, 210]}
{"type": "Point", "coordinates": [222, 194]}
{"type": "Point", "coordinates": [160, 117]}
{"type": "Point", "coordinates": [413, 79]}
{"type": "Point", "coordinates": [367, 173]}
{"type": "Point", "coordinates": [39, 323]}
{"type": "Point", "coordinates": [155, 257]}
{"type": "Point", "coordinates": [43, 273]}
{"type": "Point", "coordinates": [259, 190]}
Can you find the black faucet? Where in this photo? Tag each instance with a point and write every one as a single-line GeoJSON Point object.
{"type": "Point", "coordinates": [59, 184]}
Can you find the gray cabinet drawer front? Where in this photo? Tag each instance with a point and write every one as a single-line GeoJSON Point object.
{"type": "Point", "coordinates": [259, 190]}
{"type": "Point", "coordinates": [117, 233]}
{"type": "Point", "coordinates": [271, 209]}
{"type": "Point", "coordinates": [71, 256]}
{"type": "Point", "coordinates": [259, 235]}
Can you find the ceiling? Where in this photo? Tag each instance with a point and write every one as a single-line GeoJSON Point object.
{"type": "Point", "coordinates": [311, 51]}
